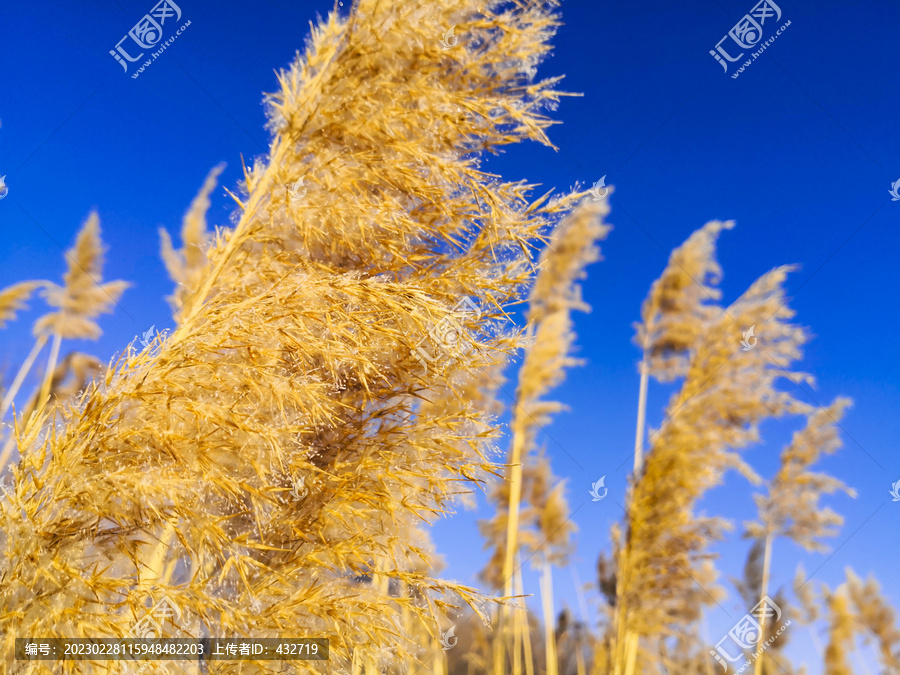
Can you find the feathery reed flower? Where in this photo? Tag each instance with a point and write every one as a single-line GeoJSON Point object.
{"type": "Point", "coordinates": [876, 616]}
{"type": "Point", "coordinates": [791, 507]}
{"type": "Point", "coordinates": [854, 609]}
{"type": "Point", "coordinates": [187, 266]}
{"type": "Point", "coordinates": [13, 299]}
{"type": "Point", "coordinates": [173, 475]}
{"type": "Point", "coordinates": [83, 297]}
{"type": "Point", "coordinates": [680, 304]}
{"type": "Point", "coordinates": [664, 571]}
{"type": "Point", "coordinates": [841, 632]}
{"type": "Point", "coordinates": [79, 301]}
{"type": "Point", "coordinates": [555, 294]}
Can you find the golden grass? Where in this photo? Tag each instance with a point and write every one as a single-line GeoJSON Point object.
{"type": "Point", "coordinates": [330, 389]}
{"type": "Point", "coordinates": [172, 474]}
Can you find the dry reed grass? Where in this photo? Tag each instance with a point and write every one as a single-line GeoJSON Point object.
{"type": "Point", "coordinates": [273, 465]}
{"type": "Point", "coordinates": [293, 359]}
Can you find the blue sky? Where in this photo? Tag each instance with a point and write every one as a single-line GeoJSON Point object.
{"type": "Point", "coordinates": [800, 150]}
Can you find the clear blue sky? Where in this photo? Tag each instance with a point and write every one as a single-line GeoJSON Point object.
{"type": "Point", "coordinates": [800, 150]}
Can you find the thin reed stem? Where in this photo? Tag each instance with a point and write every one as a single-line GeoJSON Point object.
{"type": "Point", "coordinates": [817, 643]}
{"type": "Point", "coordinates": [582, 605]}
{"type": "Point", "coordinates": [20, 376]}
{"type": "Point", "coordinates": [526, 635]}
{"type": "Point", "coordinates": [641, 417]}
{"type": "Point", "coordinates": [498, 644]}
{"type": "Point", "coordinates": [10, 442]}
{"type": "Point", "coordinates": [51, 366]}
{"type": "Point", "coordinates": [631, 647]}
{"type": "Point", "coordinates": [638, 463]}
{"type": "Point", "coordinates": [764, 590]}
{"type": "Point", "coordinates": [512, 532]}
{"type": "Point", "coordinates": [517, 641]}
{"type": "Point", "coordinates": [618, 621]}
{"type": "Point", "coordinates": [406, 617]}
{"type": "Point", "coordinates": [547, 604]}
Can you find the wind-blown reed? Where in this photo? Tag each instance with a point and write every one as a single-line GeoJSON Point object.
{"type": "Point", "coordinates": [295, 360]}
{"type": "Point", "coordinates": [665, 574]}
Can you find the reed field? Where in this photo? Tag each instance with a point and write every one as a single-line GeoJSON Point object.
{"type": "Point", "coordinates": [270, 464]}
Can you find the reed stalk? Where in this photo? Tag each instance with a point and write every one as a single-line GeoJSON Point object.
{"type": "Point", "coordinates": [51, 367]}
{"type": "Point", "coordinates": [763, 592]}
{"type": "Point", "coordinates": [641, 416]}
{"type": "Point", "coordinates": [546, 584]}
{"type": "Point", "coordinates": [22, 373]}
{"type": "Point", "coordinates": [526, 632]}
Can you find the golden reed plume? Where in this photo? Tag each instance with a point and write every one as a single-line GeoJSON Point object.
{"type": "Point", "coordinates": [256, 464]}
